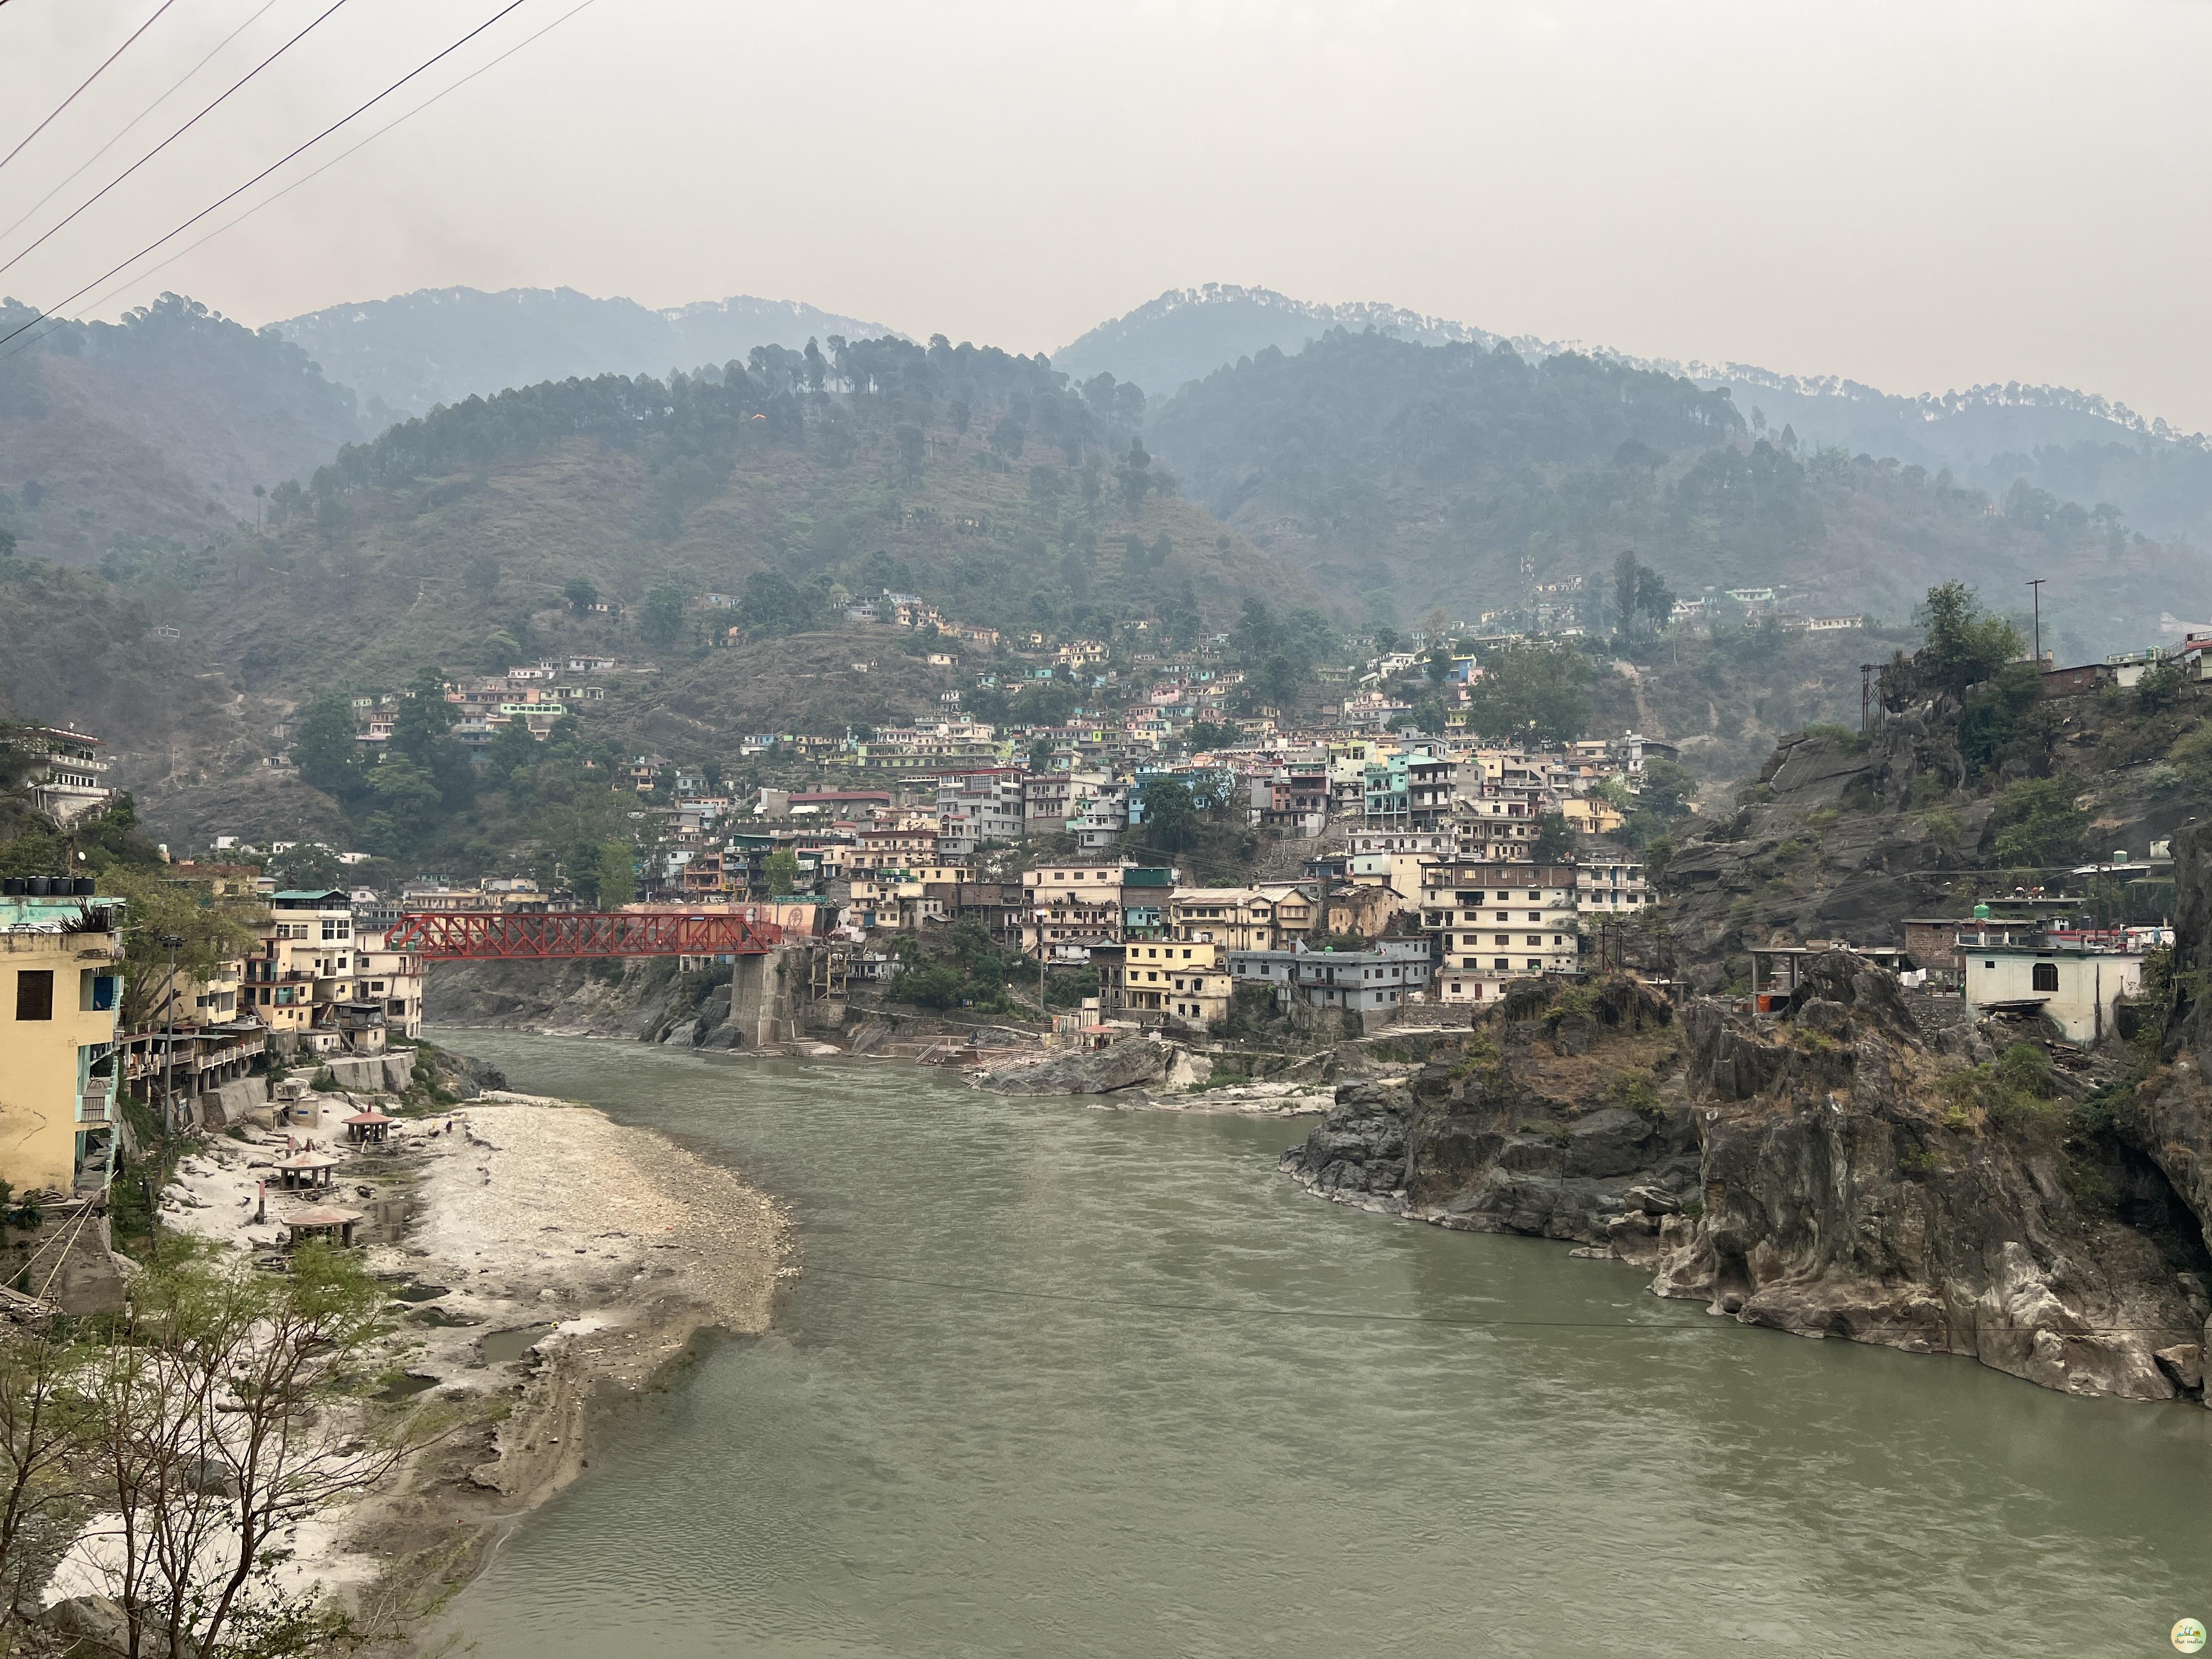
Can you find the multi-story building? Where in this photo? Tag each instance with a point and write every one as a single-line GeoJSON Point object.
{"type": "Point", "coordinates": [67, 775]}
{"type": "Point", "coordinates": [1070, 907]}
{"type": "Point", "coordinates": [1174, 981]}
{"type": "Point", "coordinates": [61, 983]}
{"type": "Point", "coordinates": [978, 809]}
{"type": "Point", "coordinates": [303, 984]}
{"type": "Point", "coordinates": [1235, 918]}
{"type": "Point", "coordinates": [1104, 816]}
{"type": "Point", "coordinates": [1611, 888]}
{"type": "Point", "coordinates": [1494, 922]}
{"type": "Point", "coordinates": [1370, 984]}
{"type": "Point", "coordinates": [393, 979]}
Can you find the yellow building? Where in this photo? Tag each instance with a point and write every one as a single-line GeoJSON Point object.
{"type": "Point", "coordinates": [61, 980]}
{"type": "Point", "coordinates": [1183, 981]}
{"type": "Point", "coordinates": [302, 978]}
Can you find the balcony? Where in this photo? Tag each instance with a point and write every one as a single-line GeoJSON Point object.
{"type": "Point", "coordinates": [93, 1104]}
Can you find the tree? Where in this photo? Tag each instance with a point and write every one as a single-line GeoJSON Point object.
{"type": "Point", "coordinates": [1655, 600]}
{"type": "Point", "coordinates": [1531, 691]}
{"type": "Point", "coordinates": [1006, 438]}
{"type": "Point", "coordinates": [959, 411]}
{"type": "Point", "coordinates": [1555, 839]}
{"type": "Point", "coordinates": [1964, 646]}
{"type": "Point", "coordinates": [424, 718]}
{"type": "Point", "coordinates": [306, 866]}
{"type": "Point", "coordinates": [7, 543]}
{"type": "Point", "coordinates": [2158, 688]}
{"type": "Point", "coordinates": [324, 747]}
{"type": "Point", "coordinates": [911, 444]}
{"type": "Point", "coordinates": [155, 908]}
{"type": "Point", "coordinates": [482, 578]}
{"type": "Point", "coordinates": [2037, 822]}
{"type": "Point", "coordinates": [774, 605]}
{"type": "Point", "coordinates": [782, 871]}
{"type": "Point", "coordinates": [660, 619]}
{"type": "Point", "coordinates": [220, 1407]}
{"type": "Point", "coordinates": [617, 873]}
{"type": "Point", "coordinates": [1170, 817]}
{"type": "Point", "coordinates": [1134, 474]}
{"type": "Point", "coordinates": [580, 594]}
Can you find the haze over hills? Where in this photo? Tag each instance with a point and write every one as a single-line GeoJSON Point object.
{"type": "Point", "coordinates": [157, 427]}
{"type": "Point", "coordinates": [1397, 474]}
{"type": "Point", "coordinates": [406, 354]}
{"type": "Point", "coordinates": [2074, 445]}
{"type": "Point", "coordinates": [1188, 333]}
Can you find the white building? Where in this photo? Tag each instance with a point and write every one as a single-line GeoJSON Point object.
{"type": "Point", "coordinates": [2076, 988]}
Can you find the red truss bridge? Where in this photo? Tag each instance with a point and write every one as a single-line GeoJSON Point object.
{"type": "Point", "coordinates": [494, 936]}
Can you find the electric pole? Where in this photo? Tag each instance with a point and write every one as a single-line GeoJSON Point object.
{"type": "Point", "coordinates": [2036, 588]}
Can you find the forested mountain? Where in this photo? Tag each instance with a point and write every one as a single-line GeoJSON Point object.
{"type": "Point", "coordinates": [485, 533]}
{"type": "Point", "coordinates": [439, 345]}
{"type": "Point", "coordinates": [155, 428]}
{"type": "Point", "coordinates": [2072, 446]}
{"type": "Point", "coordinates": [2069, 444]}
{"type": "Point", "coordinates": [1399, 475]}
{"type": "Point", "coordinates": [1188, 333]}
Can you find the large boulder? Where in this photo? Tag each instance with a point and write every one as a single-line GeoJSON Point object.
{"type": "Point", "coordinates": [1088, 1071]}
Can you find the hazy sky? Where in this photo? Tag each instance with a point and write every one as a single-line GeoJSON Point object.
{"type": "Point", "coordinates": [1918, 195]}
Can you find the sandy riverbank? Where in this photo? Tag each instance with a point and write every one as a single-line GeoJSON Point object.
{"type": "Point", "coordinates": [589, 1253]}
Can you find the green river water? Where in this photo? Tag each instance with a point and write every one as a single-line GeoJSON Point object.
{"type": "Point", "coordinates": [1058, 1380]}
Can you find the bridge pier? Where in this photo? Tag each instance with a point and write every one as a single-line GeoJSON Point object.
{"type": "Point", "coordinates": [763, 1004]}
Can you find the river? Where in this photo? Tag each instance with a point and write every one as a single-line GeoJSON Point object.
{"type": "Point", "coordinates": [1062, 1380]}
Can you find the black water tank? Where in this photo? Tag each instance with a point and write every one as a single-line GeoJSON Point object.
{"type": "Point", "coordinates": [36, 886]}
{"type": "Point", "coordinates": [84, 886]}
{"type": "Point", "coordinates": [11, 887]}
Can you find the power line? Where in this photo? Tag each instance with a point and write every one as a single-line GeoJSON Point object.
{"type": "Point", "coordinates": [136, 118]}
{"type": "Point", "coordinates": [87, 81]}
{"type": "Point", "coordinates": [308, 178]}
{"type": "Point", "coordinates": [179, 133]}
{"type": "Point", "coordinates": [134, 258]}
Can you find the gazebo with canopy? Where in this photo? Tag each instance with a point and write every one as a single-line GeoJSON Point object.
{"type": "Point", "coordinates": [322, 1222]}
{"type": "Point", "coordinates": [310, 1169]}
{"type": "Point", "coordinates": [368, 1127]}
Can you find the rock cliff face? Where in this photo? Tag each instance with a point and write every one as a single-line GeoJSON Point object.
{"type": "Point", "coordinates": [1849, 1189]}
{"type": "Point", "coordinates": [1559, 1116]}
{"type": "Point", "coordinates": [1823, 847]}
{"type": "Point", "coordinates": [748, 1006]}
{"type": "Point", "coordinates": [1834, 1172]}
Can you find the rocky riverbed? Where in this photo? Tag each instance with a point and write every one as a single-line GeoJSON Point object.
{"type": "Point", "coordinates": [547, 1264]}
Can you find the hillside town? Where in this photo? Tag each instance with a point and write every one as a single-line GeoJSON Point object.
{"type": "Point", "coordinates": [1171, 856]}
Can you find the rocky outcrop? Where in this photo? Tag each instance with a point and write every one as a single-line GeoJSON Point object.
{"type": "Point", "coordinates": [1125, 1065]}
{"type": "Point", "coordinates": [1835, 1171]}
{"type": "Point", "coordinates": [1824, 845]}
{"type": "Point", "coordinates": [1846, 1192]}
{"type": "Point", "coordinates": [1545, 1122]}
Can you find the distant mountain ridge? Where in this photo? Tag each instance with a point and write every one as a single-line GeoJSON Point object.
{"type": "Point", "coordinates": [413, 351]}
{"type": "Point", "coordinates": [1189, 332]}
{"type": "Point", "coordinates": [2068, 444]}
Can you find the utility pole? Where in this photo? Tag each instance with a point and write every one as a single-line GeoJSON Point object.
{"type": "Point", "coordinates": [169, 1041]}
{"type": "Point", "coordinates": [1866, 694]}
{"type": "Point", "coordinates": [2036, 588]}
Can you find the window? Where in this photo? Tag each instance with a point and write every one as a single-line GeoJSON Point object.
{"type": "Point", "coordinates": [34, 993]}
{"type": "Point", "coordinates": [1988, 964]}
{"type": "Point", "coordinates": [2046, 977]}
